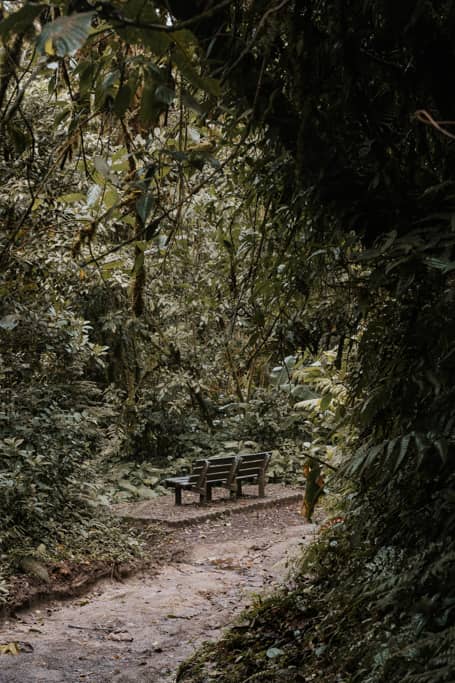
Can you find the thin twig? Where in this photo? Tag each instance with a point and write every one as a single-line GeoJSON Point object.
{"type": "Point", "coordinates": [171, 28]}
{"type": "Point", "coordinates": [260, 26]}
{"type": "Point", "coordinates": [425, 117]}
{"type": "Point", "coordinates": [322, 462]}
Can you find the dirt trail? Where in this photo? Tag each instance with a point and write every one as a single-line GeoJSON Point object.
{"type": "Point", "coordinates": [142, 629]}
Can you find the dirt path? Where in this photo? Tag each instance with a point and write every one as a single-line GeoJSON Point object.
{"type": "Point", "coordinates": [140, 630]}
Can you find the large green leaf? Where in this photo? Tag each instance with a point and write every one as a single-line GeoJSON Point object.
{"type": "Point", "coordinates": [65, 35]}
{"type": "Point", "coordinates": [165, 94]}
{"type": "Point", "coordinates": [157, 41]}
{"type": "Point", "coordinates": [150, 108]}
{"type": "Point", "coordinates": [183, 60]}
{"type": "Point", "coordinates": [144, 205]}
{"type": "Point", "coordinates": [123, 100]}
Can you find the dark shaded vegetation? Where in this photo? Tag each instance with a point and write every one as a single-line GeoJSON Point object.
{"type": "Point", "coordinates": [340, 91]}
{"type": "Point", "coordinates": [325, 127]}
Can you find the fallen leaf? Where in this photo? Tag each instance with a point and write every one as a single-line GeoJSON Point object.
{"type": "Point", "coordinates": [273, 652]}
{"type": "Point", "coordinates": [9, 649]}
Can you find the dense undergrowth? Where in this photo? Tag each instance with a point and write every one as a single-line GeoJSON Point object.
{"type": "Point", "coordinates": [366, 604]}
{"type": "Point", "coordinates": [100, 400]}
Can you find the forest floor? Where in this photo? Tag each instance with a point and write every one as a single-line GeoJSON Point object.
{"type": "Point", "coordinates": [201, 578]}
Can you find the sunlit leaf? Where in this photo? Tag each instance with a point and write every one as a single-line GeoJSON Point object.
{"type": "Point", "coordinates": [93, 195]}
{"type": "Point", "coordinates": [71, 197]}
{"type": "Point", "coordinates": [111, 197]}
{"type": "Point", "coordinates": [9, 649]}
{"type": "Point", "coordinates": [325, 402]}
{"type": "Point", "coordinates": [65, 35]}
{"type": "Point", "coordinates": [273, 652]}
{"type": "Point", "coordinates": [112, 265]}
{"type": "Point", "coordinates": [311, 404]}
{"type": "Point", "coordinates": [102, 166]}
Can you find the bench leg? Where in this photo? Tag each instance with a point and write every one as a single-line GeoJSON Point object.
{"type": "Point", "coordinates": [203, 498]}
{"type": "Point", "coordinates": [239, 488]}
{"type": "Point", "coordinates": [178, 495]}
{"type": "Point", "coordinates": [209, 494]}
{"type": "Point", "coordinates": [261, 488]}
{"type": "Point", "coordinates": [233, 494]}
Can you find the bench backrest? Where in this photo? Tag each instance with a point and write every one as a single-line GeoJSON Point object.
{"type": "Point", "coordinates": [198, 472]}
{"type": "Point", "coordinates": [253, 464]}
{"type": "Point", "coordinates": [222, 469]}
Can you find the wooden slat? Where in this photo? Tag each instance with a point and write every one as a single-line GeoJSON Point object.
{"type": "Point", "coordinates": [221, 463]}
{"type": "Point", "coordinates": [198, 465]}
{"type": "Point", "coordinates": [228, 460]}
{"type": "Point", "coordinates": [253, 464]}
{"type": "Point", "coordinates": [249, 471]}
{"type": "Point", "coordinates": [249, 465]}
{"type": "Point", "coordinates": [177, 480]}
{"type": "Point", "coordinates": [217, 476]}
{"type": "Point", "coordinates": [182, 481]}
{"type": "Point", "coordinates": [220, 468]}
{"type": "Point", "coordinates": [254, 456]}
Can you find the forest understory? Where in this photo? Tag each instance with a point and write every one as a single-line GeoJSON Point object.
{"type": "Point", "coordinates": [229, 227]}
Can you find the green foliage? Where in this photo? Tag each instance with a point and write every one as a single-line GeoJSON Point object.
{"type": "Point", "coordinates": [362, 608]}
{"type": "Point", "coordinates": [374, 184]}
{"type": "Point", "coordinates": [65, 35]}
{"type": "Point", "coordinates": [19, 21]}
{"type": "Point", "coordinates": [334, 230]}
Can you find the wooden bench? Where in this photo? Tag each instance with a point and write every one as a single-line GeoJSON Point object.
{"type": "Point", "coordinates": [206, 475]}
{"type": "Point", "coordinates": [229, 472]}
{"type": "Point", "coordinates": [190, 482]}
{"type": "Point", "coordinates": [251, 469]}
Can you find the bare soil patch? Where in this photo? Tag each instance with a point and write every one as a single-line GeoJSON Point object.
{"type": "Point", "coordinates": [164, 511]}
{"type": "Point", "coordinates": [142, 628]}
